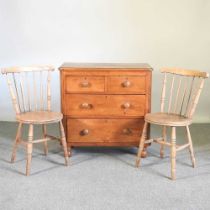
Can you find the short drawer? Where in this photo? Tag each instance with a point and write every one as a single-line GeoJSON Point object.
{"type": "Point", "coordinates": [127, 84]}
{"type": "Point", "coordinates": [104, 130]}
{"type": "Point", "coordinates": [85, 105]}
{"type": "Point", "coordinates": [104, 105]}
{"type": "Point", "coordinates": [82, 84]}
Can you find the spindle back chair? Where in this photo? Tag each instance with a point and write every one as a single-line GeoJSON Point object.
{"type": "Point", "coordinates": [180, 95]}
{"type": "Point", "coordinates": [31, 97]}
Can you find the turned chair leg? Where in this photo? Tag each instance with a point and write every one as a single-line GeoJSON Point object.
{"type": "Point", "coordinates": [69, 151]}
{"type": "Point", "coordinates": [164, 139]}
{"type": "Point", "coordinates": [29, 148]}
{"type": "Point", "coordinates": [44, 131]}
{"type": "Point", "coordinates": [190, 146]}
{"type": "Point", "coordinates": [17, 140]}
{"type": "Point", "coordinates": [173, 153]}
{"type": "Point", "coordinates": [141, 144]}
{"type": "Point", "coordinates": [63, 142]}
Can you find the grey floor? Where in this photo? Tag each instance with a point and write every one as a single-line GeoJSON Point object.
{"type": "Point", "coordinates": [104, 178]}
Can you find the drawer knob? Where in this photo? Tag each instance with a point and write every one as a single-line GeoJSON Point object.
{"type": "Point", "coordinates": [85, 84]}
{"type": "Point", "coordinates": [126, 83]}
{"type": "Point", "coordinates": [127, 131]}
{"type": "Point", "coordinates": [86, 106]}
{"type": "Point", "coordinates": [126, 105]}
{"type": "Point", "coordinates": [84, 132]}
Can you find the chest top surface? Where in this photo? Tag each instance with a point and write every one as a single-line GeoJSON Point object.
{"type": "Point", "coordinates": [107, 66]}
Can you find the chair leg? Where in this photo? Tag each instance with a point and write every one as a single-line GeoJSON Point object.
{"type": "Point", "coordinates": [190, 146]}
{"type": "Point", "coordinates": [69, 151]}
{"type": "Point", "coordinates": [164, 139]}
{"type": "Point", "coordinates": [173, 153]}
{"type": "Point", "coordinates": [44, 131]}
{"type": "Point", "coordinates": [63, 142]}
{"type": "Point", "coordinates": [17, 140]}
{"type": "Point", "coordinates": [29, 148]}
{"type": "Point", "coordinates": [141, 144]}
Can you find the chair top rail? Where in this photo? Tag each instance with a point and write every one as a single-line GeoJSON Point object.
{"type": "Point", "coordinates": [185, 72]}
{"type": "Point", "coordinates": [27, 69]}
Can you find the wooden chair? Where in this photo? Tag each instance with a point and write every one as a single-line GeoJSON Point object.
{"type": "Point", "coordinates": [28, 86]}
{"type": "Point", "coordinates": [180, 95]}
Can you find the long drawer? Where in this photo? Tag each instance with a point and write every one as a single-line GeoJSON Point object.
{"type": "Point", "coordinates": [105, 105]}
{"type": "Point", "coordinates": [104, 130]}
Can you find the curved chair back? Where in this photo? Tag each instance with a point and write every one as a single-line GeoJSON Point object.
{"type": "Point", "coordinates": [181, 90]}
{"type": "Point", "coordinates": [29, 87]}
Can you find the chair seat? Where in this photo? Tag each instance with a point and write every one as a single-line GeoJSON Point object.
{"type": "Point", "coordinates": [167, 119]}
{"type": "Point", "coordinates": [39, 117]}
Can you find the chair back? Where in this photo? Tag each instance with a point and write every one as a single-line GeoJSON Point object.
{"type": "Point", "coordinates": [29, 87]}
{"type": "Point", "coordinates": [181, 90]}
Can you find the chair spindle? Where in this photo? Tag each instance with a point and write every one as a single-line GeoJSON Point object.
{"type": "Point", "coordinates": [177, 95]}
{"type": "Point", "coordinates": [171, 94]}
{"type": "Point", "coordinates": [48, 92]}
{"type": "Point", "coordinates": [163, 97]}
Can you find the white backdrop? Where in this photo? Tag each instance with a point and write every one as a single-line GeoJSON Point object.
{"type": "Point", "coordinates": [162, 33]}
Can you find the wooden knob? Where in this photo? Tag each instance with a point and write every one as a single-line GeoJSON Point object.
{"type": "Point", "coordinates": [127, 131]}
{"type": "Point", "coordinates": [84, 132]}
{"type": "Point", "coordinates": [86, 105]}
{"type": "Point", "coordinates": [85, 84]}
{"type": "Point", "coordinates": [126, 105]}
{"type": "Point", "coordinates": [126, 83]}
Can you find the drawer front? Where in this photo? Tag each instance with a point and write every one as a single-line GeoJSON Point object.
{"type": "Point", "coordinates": [127, 84]}
{"type": "Point", "coordinates": [105, 105]}
{"type": "Point", "coordinates": [104, 130]}
{"type": "Point", "coordinates": [127, 105]}
{"type": "Point", "coordinates": [81, 84]}
{"type": "Point", "coordinates": [85, 105]}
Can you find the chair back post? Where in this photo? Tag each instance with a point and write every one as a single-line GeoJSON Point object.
{"type": "Point", "coordinates": [13, 96]}
{"type": "Point", "coordinates": [27, 85]}
{"type": "Point", "coordinates": [196, 98]}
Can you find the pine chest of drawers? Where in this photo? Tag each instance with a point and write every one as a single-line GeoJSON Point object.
{"type": "Point", "coordinates": [104, 104]}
